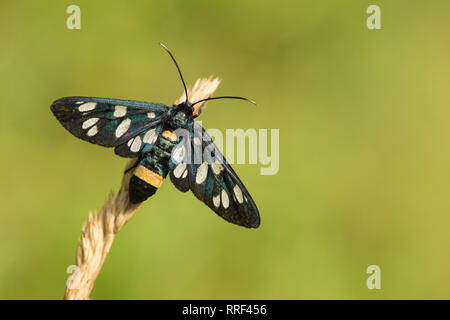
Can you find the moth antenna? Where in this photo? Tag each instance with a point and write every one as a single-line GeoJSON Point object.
{"type": "Point", "coordinates": [179, 71]}
{"type": "Point", "coordinates": [225, 97]}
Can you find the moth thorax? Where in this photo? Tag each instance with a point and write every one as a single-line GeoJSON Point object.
{"type": "Point", "coordinates": [179, 120]}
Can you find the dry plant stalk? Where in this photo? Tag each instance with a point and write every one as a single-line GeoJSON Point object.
{"type": "Point", "coordinates": [99, 231]}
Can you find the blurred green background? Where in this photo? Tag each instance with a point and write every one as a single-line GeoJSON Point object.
{"type": "Point", "coordinates": [364, 173]}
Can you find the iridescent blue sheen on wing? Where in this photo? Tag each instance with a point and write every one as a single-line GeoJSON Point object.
{"type": "Point", "coordinates": [206, 172]}
{"type": "Point", "coordinates": [136, 128]}
{"type": "Point", "coordinates": [123, 124]}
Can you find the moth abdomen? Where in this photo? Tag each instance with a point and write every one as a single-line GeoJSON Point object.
{"type": "Point", "coordinates": [152, 169]}
{"type": "Point", "coordinates": [143, 184]}
{"type": "Point", "coordinates": [140, 190]}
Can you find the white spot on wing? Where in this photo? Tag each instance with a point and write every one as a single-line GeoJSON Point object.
{"type": "Point", "coordinates": [151, 115]}
{"type": "Point", "coordinates": [216, 167]}
{"type": "Point", "coordinates": [216, 200]}
{"type": "Point", "coordinates": [123, 127]}
{"type": "Point", "coordinates": [202, 173]}
{"type": "Point", "coordinates": [178, 153]}
{"type": "Point", "coordinates": [89, 123]}
{"type": "Point", "coordinates": [92, 131]}
{"type": "Point", "coordinates": [179, 170]}
{"type": "Point", "coordinates": [88, 106]}
{"type": "Point", "coordinates": [185, 173]}
{"type": "Point", "coordinates": [150, 136]}
{"type": "Point", "coordinates": [120, 111]}
{"type": "Point", "coordinates": [238, 193]}
{"type": "Point", "coordinates": [225, 199]}
{"type": "Point", "coordinates": [197, 141]}
{"type": "Point", "coordinates": [136, 145]}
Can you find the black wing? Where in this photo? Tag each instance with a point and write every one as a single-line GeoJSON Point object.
{"type": "Point", "coordinates": [130, 126]}
{"type": "Point", "coordinates": [211, 179]}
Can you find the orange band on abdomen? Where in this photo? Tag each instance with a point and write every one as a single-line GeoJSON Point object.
{"type": "Point", "coordinates": [148, 176]}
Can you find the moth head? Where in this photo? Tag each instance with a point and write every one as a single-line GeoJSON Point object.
{"type": "Point", "coordinates": [182, 113]}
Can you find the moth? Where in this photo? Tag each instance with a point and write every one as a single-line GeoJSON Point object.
{"type": "Point", "coordinates": [166, 141]}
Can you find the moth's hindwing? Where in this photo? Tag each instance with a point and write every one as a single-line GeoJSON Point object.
{"type": "Point", "coordinates": [212, 180]}
{"type": "Point", "coordinates": [130, 126]}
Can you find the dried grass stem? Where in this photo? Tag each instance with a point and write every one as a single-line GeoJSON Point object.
{"type": "Point", "coordinates": [98, 233]}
